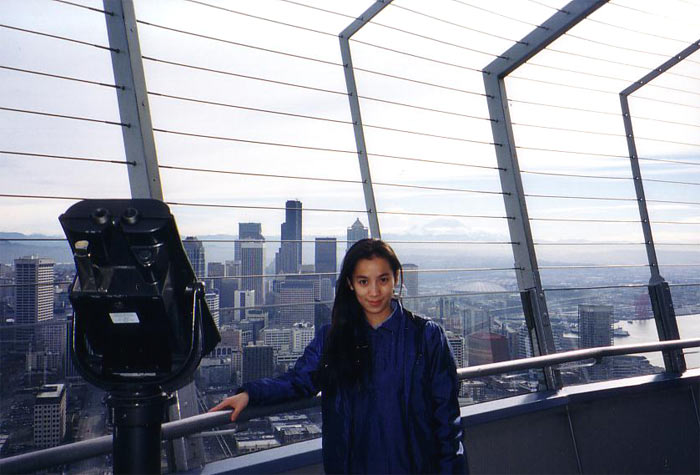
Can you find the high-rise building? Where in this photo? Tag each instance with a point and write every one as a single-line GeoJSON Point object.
{"type": "Point", "coordinates": [212, 299]}
{"type": "Point", "coordinates": [289, 256]}
{"type": "Point", "coordinates": [595, 325]}
{"type": "Point", "coordinates": [278, 338]}
{"type": "Point", "coordinates": [456, 343]}
{"type": "Point", "coordinates": [246, 231]}
{"type": "Point", "coordinates": [258, 362]}
{"type": "Point", "coordinates": [297, 299]}
{"type": "Point", "coordinates": [326, 258]}
{"type": "Point", "coordinates": [410, 279]}
{"type": "Point", "coordinates": [252, 259]}
{"type": "Point", "coordinates": [486, 347]}
{"type": "Point", "coordinates": [595, 328]}
{"type": "Point", "coordinates": [356, 232]}
{"type": "Point", "coordinates": [195, 253]}
{"type": "Point", "coordinates": [50, 416]}
{"type": "Point", "coordinates": [33, 295]}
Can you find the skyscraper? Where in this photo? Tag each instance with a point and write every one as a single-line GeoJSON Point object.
{"type": "Point", "coordinates": [195, 253]}
{"type": "Point", "coordinates": [595, 328]}
{"type": "Point", "coordinates": [246, 231]}
{"type": "Point", "coordinates": [50, 416]}
{"type": "Point", "coordinates": [325, 258]}
{"type": "Point", "coordinates": [297, 299]}
{"type": "Point", "coordinates": [289, 257]}
{"type": "Point", "coordinates": [410, 279]}
{"type": "Point", "coordinates": [356, 232]}
{"type": "Point", "coordinates": [33, 295]}
{"type": "Point", "coordinates": [252, 259]}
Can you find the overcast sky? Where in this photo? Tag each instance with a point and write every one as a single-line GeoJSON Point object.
{"type": "Point", "coordinates": [585, 69]}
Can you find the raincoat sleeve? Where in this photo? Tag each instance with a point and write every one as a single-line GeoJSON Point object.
{"type": "Point", "coordinates": [446, 419]}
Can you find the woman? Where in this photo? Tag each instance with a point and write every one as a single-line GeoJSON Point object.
{"type": "Point", "coordinates": [388, 378]}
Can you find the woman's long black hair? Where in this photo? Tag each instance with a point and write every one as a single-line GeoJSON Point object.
{"type": "Point", "coordinates": [346, 354]}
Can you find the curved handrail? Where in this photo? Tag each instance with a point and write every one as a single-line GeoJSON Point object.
{"type": "Point", "coordinates": [76, 451]}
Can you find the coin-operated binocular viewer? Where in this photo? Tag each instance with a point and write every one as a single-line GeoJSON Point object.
{"type": "Point", "coordinates": [141, 324]}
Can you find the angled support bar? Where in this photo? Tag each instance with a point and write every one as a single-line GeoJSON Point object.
{"type": "Point", "coordinates": [139, 145]}
{"type": "Point", "coordinates": [351, 86]}
{"type": "Point", "coordinates": [529, 283]}
{"type": "Point", "coordinates": [659, 292]}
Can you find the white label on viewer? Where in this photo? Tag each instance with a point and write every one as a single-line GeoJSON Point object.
{"type": "Point", "coordinates": [123, 317]}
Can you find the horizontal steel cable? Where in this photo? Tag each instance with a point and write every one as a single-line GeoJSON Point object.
{"type": "Point", "coordinates": [640, 32]}
{"type": "Point", "coordinates": [500, 15]}
{"type": "Point", "coordinates": [417, 81]}
{"type": "Point", "coordinates": [609, 155]}
{"type": "Point", "coordinates": [616, 114]}
{"type": "Point", "coordinates": [656, 15]}
{"type": "Point", "coordinates": [594, 266]}
{"type": "Point", "coordinates": [304, 116]}
{"type": "Point", "coordinates": [418, 56]}
{"type": "Point", "coordinates": [57, 37]}
{"type": "Point", "coordinates": [428, 109]}
{"type": "Point", "coordinates": [608, 134]}
{"type": "Point", "coordinates": [397, 213]}
{"type": "Point", "coordinates": [608, 198]}
{"type": "Point", "coordinates": [613, 221]}
{"type": "Point", "coordinates": [66, 157]}
{"type": "Point", "coordinates": [85, 7]}
{"type": "Point", "coordinates": [333, 34]}
{"type": "Point", "coordinates": [63, 116]}
{"type": "Point", "coordinates": [58, 76]}
{"type": "Point", "coordinates": [624, 48]}
{"type": "Point", "coordinates": [600, 91]}
{"type": "Point", "coordinates": [329, 180]}
{"type": "Point", "coordinates": [464, 27]}
{"type": "Point", "coordinates": [237, 43]}
{"type": "Point", "coordinates": [255, 142]}
{"type": "Point", "coordinates": [537, 2]}
{"type": "Point", "coordinates": [610, 61]}
{"type": "Point", "coordinates": [613, 243]}
{"type": "Point", "coordinates": [575, 175]}
{"type": "Point", "coordinates": [597, 287]}
{"type": "Point", "coordinates": [604, 76]}
{"type": "Point", "coordinates": [253, 109]}
{"type": "Point", "coordinates": [437, 162]}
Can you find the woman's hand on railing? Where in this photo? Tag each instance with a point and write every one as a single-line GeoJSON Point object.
{"type": "Point", "coordinates": [237, 403]}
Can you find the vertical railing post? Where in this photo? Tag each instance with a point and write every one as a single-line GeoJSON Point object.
{"type": "Point", "coordinates": [527, 271]}
{"type": "Point", "coordinates": [659, 291]}
{"type": "Point", "coordinates": [139, 145]}
{"type": "Point", "coordinates": [365, 174]}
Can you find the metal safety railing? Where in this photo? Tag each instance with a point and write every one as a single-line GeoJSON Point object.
{"type": "Point", "coordinates": [46, 458]}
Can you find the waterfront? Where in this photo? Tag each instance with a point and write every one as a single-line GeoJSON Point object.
{"type": "Point", "coordinates": [644, 331]}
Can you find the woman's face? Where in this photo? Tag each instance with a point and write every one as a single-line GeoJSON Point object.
{"type": "Point", "coordinates": [373, 282]}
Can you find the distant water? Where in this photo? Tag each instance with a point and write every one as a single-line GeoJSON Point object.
{"type": "Point", "coordinates": [644, 331]}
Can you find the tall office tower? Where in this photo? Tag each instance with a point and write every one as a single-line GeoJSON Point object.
{"type": "Point", "coordinates": [50, 416]}
{"type": "Point", "coordinates": [241, 300]}
{"type": "Point", "coordinates": [410, 279]}
{"type": "Point", "coordinates": [456, 343]}
{"type": "Point", "coordinates": [195, 253]}
{"type": "Point", "coordinates": [297, 302]}
{"type": "Point", "coordinates": [216, 269]}
{"type": "Point", "coordinates": [356, 232]}
{"type": "Point", "coordinates": [595, 325]}
{"type": "Point", "coordinates": [246, 231]}
{"type": "Point", "coordinates": [212, 299]}
{"type": "Point", "coordinates": [252, 259]}
{"type": "Point", "coordinates": [258, 362]}
{"type": "Point", "coordinates": [326, 258]}
{"type": "Point", "coordinates": [289, 257]}
{"type": "Point", "coordinates": [595, 328]}
{"type": "Point", "coordinates": [33, 296]}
